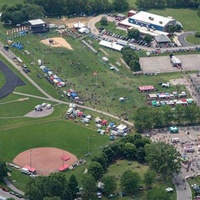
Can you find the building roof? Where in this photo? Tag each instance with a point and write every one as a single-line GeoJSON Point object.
{"type": "Point", "coordinates": [162, 38]}
{"type": "Point", "coordinates": [143, 30]}
{"type": "Point", "coordinates": [36, 22]}
{"type": "Point", "coordinates": [111, 45]}
{"type": "Point", "coordinates": [151, 18]}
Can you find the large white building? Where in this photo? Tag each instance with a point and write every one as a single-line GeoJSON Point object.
{"type": "Point", "coordinates": [148, 21]}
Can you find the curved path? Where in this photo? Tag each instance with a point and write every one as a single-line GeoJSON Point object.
{"type": "Point", "coordinates": [182, 38]}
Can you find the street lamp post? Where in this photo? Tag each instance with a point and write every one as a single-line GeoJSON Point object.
{"type": "Point", "coordinates": [30, 158]}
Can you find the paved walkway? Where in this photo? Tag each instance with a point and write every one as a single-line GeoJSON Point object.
{"type": "Point", "coordinates": [183, 189]}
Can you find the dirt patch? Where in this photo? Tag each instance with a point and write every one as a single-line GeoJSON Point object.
{"type": "Point", "coordinates": [45, 159]}
{"type": "Point", "coordinates": [37, 114]}
{"type": "Point", "coordinates": [179, 81]}
{"type": "Point", "coordinates": [57, 42]}
{"type": "Point", "coordinates": [69, 22]}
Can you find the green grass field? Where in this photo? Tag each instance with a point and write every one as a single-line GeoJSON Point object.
{"type": "Point", "coordinates": [192, 39]}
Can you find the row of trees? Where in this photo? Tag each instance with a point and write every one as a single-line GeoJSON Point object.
{"type": "Point", "coordinates": [147, 118]}
{"type": "Point", "coordinates": [131, 58]}
{"type": "Point", "coordinates": [135, 34]}
{"type": "Point", "coordinates": [71, 7]}
{"type": "Point", "coordinates": [147, 4]}
{"type": "Point", "coordinates": [33, 9]}
{"type": "Point", "coordinates": [54, 186]}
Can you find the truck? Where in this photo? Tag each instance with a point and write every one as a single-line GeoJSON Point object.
{"type": "Point", "coordinates": [25, 171]}
{"type": "Point", "coordinates": [69, 111]}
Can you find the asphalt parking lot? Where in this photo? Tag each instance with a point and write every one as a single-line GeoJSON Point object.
{"type": "Point", "coordinates": [162, 64]}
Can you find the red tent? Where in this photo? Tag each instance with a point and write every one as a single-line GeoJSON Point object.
{"type": "Point", "coordinates": [65, 158]}
{"type": "Point", "coordinates": [104, 122]}
{"type": "Point", "coordinates": [146, 88]}
{"type": "Point", "coordinates": [63, 168]}
{"type": "Point", "coordinates": [30, 169]}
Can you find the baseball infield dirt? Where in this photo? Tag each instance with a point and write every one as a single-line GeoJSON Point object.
{"type": "Point", "coordinates": [57, 42]}
{"type": "Point", "coordinates": [45, 159]}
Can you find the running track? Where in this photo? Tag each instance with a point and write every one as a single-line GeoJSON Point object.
{"type": "Point", "coordinates": [12, 80]}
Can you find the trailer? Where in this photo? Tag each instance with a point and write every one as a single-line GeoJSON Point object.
{"type": "Point", "coordinates": [176, 62]}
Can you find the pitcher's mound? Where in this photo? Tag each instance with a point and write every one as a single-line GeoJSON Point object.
{"type": "Point", "coordinates": [57, 42]}
{"type": "Point", "coordinates": [45, 159]}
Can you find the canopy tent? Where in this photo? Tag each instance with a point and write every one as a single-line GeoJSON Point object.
{"type": "Point", "coordinates": [63, 168]}
{"type": "Point", "coordinates": [79, 25]}
{"type": "Point", "coordinates": [146, 88]}
{"type": "Point", "coordinates": [30, 169]}
{"type": "Point", "coordinates": [173, 129]}
{"type": "Point", "coordinates": [84, 30]}
{"type": "Point", "coordinates": [65, 157]}
{"type": "Point", "coordinates": [104, 122]}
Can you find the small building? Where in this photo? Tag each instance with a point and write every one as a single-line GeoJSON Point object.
{"type": "Point", "coordinates": [38, 26]}
{"type": "Point", "coordinates": [131, 13]}
{"type": "Point", "coordinates": [162, 39]}
{"type": "Point", "coordinates": [120, 17]}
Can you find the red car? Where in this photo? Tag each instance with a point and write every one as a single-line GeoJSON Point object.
{"type": "Point", "coordinates": [5, 189]}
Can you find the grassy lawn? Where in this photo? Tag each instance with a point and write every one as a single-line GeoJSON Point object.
{"type": "Point", "coordinates": [193, 40]}
{"type": "Point", "coordinates": [77, 66]}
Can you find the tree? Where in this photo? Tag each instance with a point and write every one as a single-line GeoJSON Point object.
{"type": "Point", "coordinates": [147, 38]}
{"type": "Point", "coordinates": [89, 185]}
{"type": "Point", "coordinates": [3, 170]}
{"type": "Point", "coordinates": [130, 150]}
{"type": "Point", "coordinates": [140, 155]}
{"type": "Point", "coordinates": [135, 65]}
{"type": "Point", "coordinates": [110, 184]}
{"type": "Point", "coordinates": [143, 119]}
{"type": "Point", "coordinates": [163, 158]}
{"type": "Point", "coordinates": [56, 183]}
{"type": "Point", "coordinates": [73, 185]}
{"type": "Point", "coordinates": [104, 21]}
{"type": "Point", "coordinates": [96, 170]}
{"type": "Point", "coordinates": [197, 34]}
{"type": "Point", "coordinates": [134, 33]}
{"type": "Point", "coordinates": [158, 193]}
{"type": "Point", "coordinates": [102, 159]}
{"type": "Point", "coordinates": [130, 181]}
{"type": "Point", "coordinates": [120, 5]}
{"type": "Point", "coordinates": [149, 178]}
{"type": "Point", "coordinates": [52, 198]}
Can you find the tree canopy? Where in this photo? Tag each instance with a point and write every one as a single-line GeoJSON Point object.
{"type": "Point", "coordinates": [130, 182]}
{"type": "Point", "coordinates": [163, 158]}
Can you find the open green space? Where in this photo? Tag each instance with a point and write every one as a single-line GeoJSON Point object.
{"type": "Point", "coordinates": [192, 39]}
{"type": "Point", "coordinates": [77, 66]}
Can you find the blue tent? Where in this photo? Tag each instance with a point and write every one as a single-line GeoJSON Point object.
{"type": "Point", "coordinates": [73, 94]}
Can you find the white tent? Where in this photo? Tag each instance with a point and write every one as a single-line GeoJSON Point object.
{"type": "Point", "coordinates": [121, 127]}
{"type": "Point", "coordinates": [84, 30]}
{"type": "Point", "coordinates": [79, 25]}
